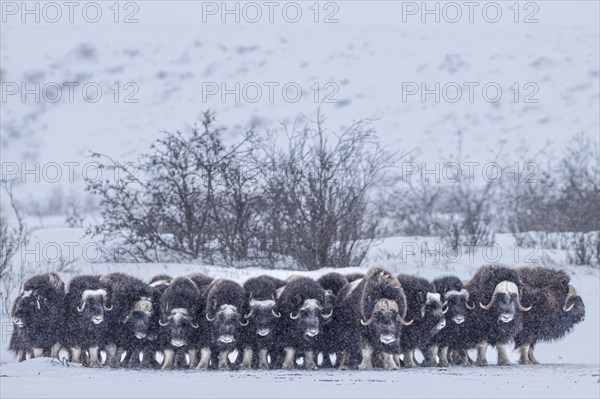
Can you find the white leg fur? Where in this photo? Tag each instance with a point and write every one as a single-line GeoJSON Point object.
{"type": "Point", "coordinates": [481, 356]}
{"type": "Point", "coordinates": [532, 358]}
{"type": "Point", "coordinates": [38, 352]}
{"type": "Point", "coordinates": [409, 359]}
{"type": "Point", "coordinates": [388, 362]}
{"type": "Point", "coordinates": [345, 361]}
{"type": "Point", "coordinates": [524, 357]}
{"type": "Point", "coordinates": [94, 359]}
{"type": "Point", "coordinates": [21, 356]}
{"type": "Point", "coordinates": [263, 361]}
{"type": "Point", "coordinates": [55, 350]}
{"type": "Point", "coordinates": [169, 357]}
{"type": "Point", "coordinates": [290, 358]}
{"type": "Point", "coordinates": [205, 354]}
{"type": "Point", "coordinates": [223, 360]}
{"type": "Point", "coordinates": [367, 357]}
{"type": "Point", "coordinates": [247, 358]}
{"type": "Point", "coordinates": [502, 355]}
{"type": "Point", "coordinates": [444, 357]}
{"type": "Point", "coordinates": [309, 360]}
{"type": "Point", "coordinates": [193, 354]}
{"type": "Point", "coordinates": [111, 355]}
{"type": "Point", "coordinates": [76, 354]}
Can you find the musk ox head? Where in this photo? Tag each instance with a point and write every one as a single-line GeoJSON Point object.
{"type": "Point", "coordinates": [41, 296]}
{"type": "Point", "coordinates": [307, 306]}
{"type": "Point", "coordinates": [179, 326]}
{"type": "Point", "coordinates": [224, 303]}
{"type": "Point", "coordinates": [26, 307]}
{"type": "Point", "coordinates": [92, 305]}
{"type": "Point", "coordinates": [432, 313]}
{"type": "Point", "coordinates": [573, 306]}
{"type": "Point", "coordinates": [383, 306]}
{"type": "Point", "coordinates": [457, 306]}
{"type": "Point", "coordinates": [139, 318]}
{"type": "Point", "coordinates": [261, 311]}
{"type": "Point", "coordinates": [505, 301]}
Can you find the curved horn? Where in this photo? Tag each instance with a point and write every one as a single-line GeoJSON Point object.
{"type": "Point", "coordinates": [249, 315]}
{"type": "Point", "coordinates": [489, 305]}
{"type": "Point", "coordinates": [163, 324]}
{"type": "Point", "coordinates": [327, 315]}
{"type": "Point", "coordinates": [366, 323]}
{"type": "Point", "coordinates": [276, 314]}
{"type": "Point", "coordinates": [521, 307]}
{"type": "Point", "coordinates": [471, 306]}
{"type": "Point", "coordinates": [445, 308]}
{"type": "Point", "coordinates": [194, 325]}
{"type": "Point", "coordinates": [108, 309]}
{"type": "Point", "coordinates": [209, 318]}
{"type": "Point", "coordinates": [37, 302]}
{"type": "Point", "coordinates": [570, 294]}
{"type": "Point", "coordinates": [294, 317]}
{"type": "Point", "coordinates": [404, 322]}
{"type": "Point", "coordinates": [244, 325]}
{"type": "Point", "coordinates": [80, 308]}
{"type": "Point", "coordinates": [422, 311]}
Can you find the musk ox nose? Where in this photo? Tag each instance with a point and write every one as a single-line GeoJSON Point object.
{"type": "Point", "coordinates": [226, 338]}
{"type": "Point", "coordinates": [97, 319]}
{"type": "Point", "coordinates": [458, 319]}
{"type": "Point", "coordinates": [441, 324]}
{"type": "Point", "coordinates": [312, 332]}
{"type": "Point", "coordinates": [506, 317]}
{"type": "Point", "coordinates": [387, 338]}
{"type": "Point", "coordinates": [177, 342]}
{"type": "Point", "coordinates": [263, 332]}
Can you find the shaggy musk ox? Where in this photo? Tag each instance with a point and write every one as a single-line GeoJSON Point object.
{"type": "Point", "coordinates": [369, 317]}
{"type": "Point", "coordinates": [158, 285]}
{"type": "Point", "coordinates": [179, 307]}
{"type": "Point", "coordinates": [330, 343]}
{"type": "Point", "coordinates": [260, 311]}
{"type": "Point", "coordinates": [129, 324]}
{"type": "Point", "coordinates": [87, 302]}
{"type": "Point", "coordinates": [424, 308]}
{"type": "Point", "coordinates": [457, 308]}
{"type": "Point", "coordinates": [38, 317]}
{"type": "Point", "coordinates": [497, 317]}
{"type": "Point", "coordinates": [304, 307]}
{"type": "Point", "coordinates": [223, 302]}
{"type": "Point", "coordinates": [556, 309]}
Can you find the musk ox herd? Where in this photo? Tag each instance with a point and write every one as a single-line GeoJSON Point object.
{"type": "Point", "coordinates": [351, 321]}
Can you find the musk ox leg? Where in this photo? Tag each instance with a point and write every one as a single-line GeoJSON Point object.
{"type": "Point", "coordinates": [409, 358]}
{"type": "Point", "coordinates": [134, 360]}
{"type": "Point", "coordinates": [532, 358]}
{"type": "Point", "coordinates": [502, 355]}
{"type": "Point", "coordinates": [168, 360]}
{"type": "Point", "coordinates": [94, 359]}
{"type": "Point", "coordinates": [205, 354]}
{"type": "Point", "coordinates": [397, 360]}
{"type": "Point", "coordinates": [430, 356]}
{"type": "Point", "coordinates": [444, 357]}
{"type": "Point", "coordinates": [345, 360]}
{"type": "Point", "coordinates": [111, 355]}
{"type": "Point", "coordinates": [524, 351]}
{"type": "Point", "coordinates": [263, 360]}
{"type": "Point", "coordinates": [481, 350]}
{"type": "Point", "coordinates": [388, 362]}
{"type": "Point", "coordinates": [21, 355]}
{"type": "Point", "coordinates": [223, 360]}
{"type": "Point", "coordinates": [247, 359]}
{"type": "Point", "coordinates": [309, 360]}
{"type": "Point", "coordinates": [193, 354]}
{"type": "Point", "coordinates": [148, 359]}
{"type": "Point", "coordinates": [55, 350]}
{"type": "Point", "coordinates": [367, 357]}
{"type": "Point", "coordinates": [76, 354]}
{"type": "Point", "coordinates": [289, 361]}
{"type": "Point", "coordinates": [38, 352]}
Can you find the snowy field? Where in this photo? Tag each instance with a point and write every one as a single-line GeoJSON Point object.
{"type": "Point", "coordinates": [570, 367]}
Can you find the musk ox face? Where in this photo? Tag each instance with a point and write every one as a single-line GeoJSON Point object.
{"type": "Point", "coordinates": [138, 320]}
{"type": "Point", "coordinates": [573, 306]}
{"type": "Point", "coordinates": [26, 307]}
{"type": "Point", "coordinates": [262, 317]}
{"type": "Point", "coordinates": [225, 324]}
{"type": "Point", "coordinates": [310, 317]}
{"type": "Point", "coordinates": [457, 306]}
{"type": "Point", "coordinates": [92, 305]}
{"type": "Point", "coordinates": [432, 313]}
{"type": "Point", "coordinates": [178, 326]}
{"type": "Point", "coordinates": [385, 323]}
{"type": "Point", "coordinates": [505, 303]}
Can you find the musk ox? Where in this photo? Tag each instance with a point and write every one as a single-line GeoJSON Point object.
{"type": "Point", "coordinates": [369, 317]}
{"type": "Point", "coordinates": [38, 317]}
{"type": "Point", "coordinates": [457, 310]}
{"type": "Point", "coordinates": [260, 311]}
{"type": "Point", "coordinates": [87, 301]}
{"type": "Point", "coordinates": [556, 309]}
{"type": "Point", "coordinates": [158, 285]}
{"type": "Point", "coordinates": [329, 343]}
{"type": "Point", "coordinates": [223, 301]}
{"type": "Point", "coordinates": [129, 324]}
{"type": "Point", "coordinates": [304, 306]}
{"type": "Point", "coordinates": [424, 308]}
{"type": "Point", "coordinates": [178, 321]}
{"type": "Point", "coordinates": [498, 314]}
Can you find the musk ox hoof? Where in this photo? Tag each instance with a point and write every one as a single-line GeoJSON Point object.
{"type": "Point", "coordinates": [481, 363]}
{"type": "Point", "coordinates": [95, 365]}
{"type": "Point", "coordinates": [444, 363]}
{"type": "Point", "coordinates": [363, 366]}
{"type": "Point", "coordinates": [429, 364]}
{"type": "Point", "coordinates": [263, 366]}
{"type": "Point", "coordinates": [504, 363]}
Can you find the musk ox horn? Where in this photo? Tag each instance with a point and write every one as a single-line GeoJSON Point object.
{"type": "Point", "coordinates": [244, 324]}
{"type": "Point", "coordinates": [249, 315]}
{"type": "Point", "coordinates": [108, 309]}
{"type": "Point", "coordinates": [404, 322]}
{"type": "Point", "coordinates": [80, 308]}
{"type": "Point", "coordinates": [422, 311]}
{"type": "Point", "coordinates": [163, 324]}
{"type": "Point", "coordinates": [294, 317]}
{"type": "Point", "coordinates": [521, 307]}
{"type": "Point", "coordinates": [37, 303]}
{"type": "Point", "coordinates": [209, 318]}
{"type": "Point", "coordinates": [327, 315]}
{"type": "Point", "coordinates": [276, 314]}
{"type": "Point", "coordinates": [194, 325]}
{"type": "Point", "coordinates": [445, 308]}
{"type": "Point", "coordinates": [470, 305]}
{"type": "Point", "coordinates": [366, 323]}
{"type": "Point", "coordinates": [572, 292]}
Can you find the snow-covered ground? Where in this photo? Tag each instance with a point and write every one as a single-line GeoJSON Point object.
{"type": "Point", "coordinates": [570, 367]}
